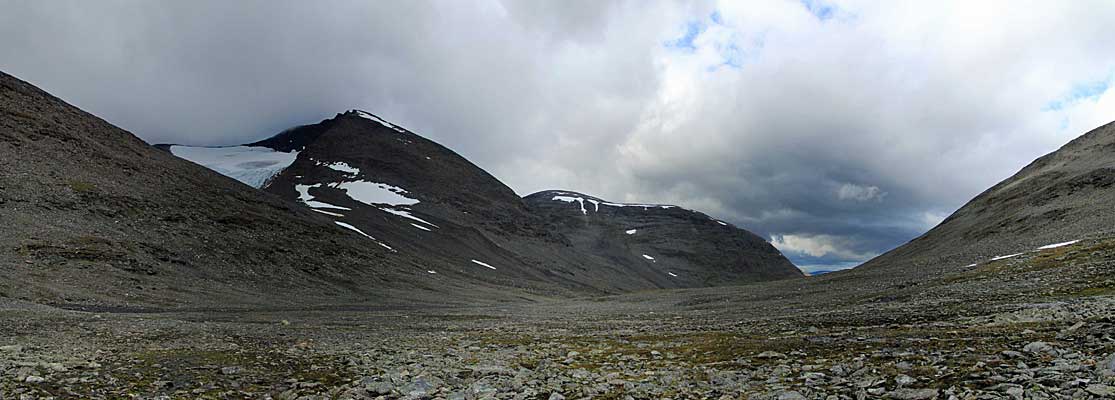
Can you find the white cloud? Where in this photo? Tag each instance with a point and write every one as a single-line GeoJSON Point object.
{"type": "Point", "coordinates": [932, 101]}
{"type": "Point", "coordinates": [851, 191]}
{"type": "Point", "coordinates": [819, 246]}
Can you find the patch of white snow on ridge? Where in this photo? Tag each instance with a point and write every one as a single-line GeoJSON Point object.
{"type": "Point", "coordinates": [305, 197]}
{"type": "Point", "coordinates": [645, 206]}
{"type": "Point", "coordinates": [722, 223]}
{"type": "Point", "coordinates": [631, 231]}
{"type": "Point", "coordinates": [357, 230]}
{"type": "Point", "coordinates": [1006, 256]}
{"type": "Point", "coordinates": [648, 257]}
{"type": "Point", "coordinates": [595, 203]}
{"type": "Point", "coordinates": [482, 263]}
{"type": "Point", "coordinates": [672, 274]}
{"type": "Point", "coordinates": [431, 271]}
{"type": "Point", "coordinates": [343, 167]}
{"type": "Point", "coordinates": [570, 199]}
{"type": "Point", "coordinates": [366, 115]}
{"type": "Point", "coordinates": [1056, 245]}
{"type": "Point", "coordinates": [420, 227]}
{"type": "Point", "coordinates": [375, 193]}
{"type": "Point", "coordinates": [252, 165]}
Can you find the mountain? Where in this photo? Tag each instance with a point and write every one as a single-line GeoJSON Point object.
{"type": "Point", "coordinates": [421, 200]}
{"type": "Point", "coordinates": [1059, 198]}
{"type": "Point", "coordinates": [661, 242]}
{"type": "Point", "coordinates": [95, 216]}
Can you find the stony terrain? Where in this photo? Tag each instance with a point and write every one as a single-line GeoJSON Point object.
{"type": "Point", "coordinates": [1046, 331]}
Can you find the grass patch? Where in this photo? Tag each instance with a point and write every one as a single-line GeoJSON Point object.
{"type": "Point", "coordinates": [81, 187]}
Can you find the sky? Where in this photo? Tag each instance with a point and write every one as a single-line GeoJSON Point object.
{"type": "Point", "coordinates": [836, 129]}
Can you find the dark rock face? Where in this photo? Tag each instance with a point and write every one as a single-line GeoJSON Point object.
{"type": "Point", "coordinates": [669, 245]}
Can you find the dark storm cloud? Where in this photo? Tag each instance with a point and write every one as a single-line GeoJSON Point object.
{"type": "Point", "coordinates": [836, 134]}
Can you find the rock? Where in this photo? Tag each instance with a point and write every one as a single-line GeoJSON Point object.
{"type": "Point", "coordinates": [1011, 354]}
{"type": "Point", "coordinates": [556, 396]}
{"type": "Point", "coordinates": [771, 354]}
{"type": "Point", "coordinates": [1038, 348]}
{"type": "Point", "coordinates": [913, 394]}
{"type": "Point", "coordinates": [904, 380]}
{"type": "Point", "coordinates": [790, 395]}
{"type": "Point", "coordinates": [14, 348]}
{"type": "Point", "coordinates": [230, 370]}
{"type": "Point", "coordinates": [421, 386]}
{"type": "Point", "coordinates": [34, 379]}
{"type": "Point", "coordinates": [1101, 390]}
{"type": "Point", "coordinates": [380, 388]}
{"type": "Point", "coordinates": [1107, 366]}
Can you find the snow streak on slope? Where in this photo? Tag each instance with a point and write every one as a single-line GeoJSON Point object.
{"type": "Point", "coordinates": [482, 263]}
{"type": "Point", "coordinates": [367, 115]}
{"type": "Point", "coordinates": [249, 164]}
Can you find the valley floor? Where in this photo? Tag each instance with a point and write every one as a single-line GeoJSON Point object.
{"type": "Point", "coordinates": [1044, 330]}
{"type": "Point", "coordinates": [582, 349]}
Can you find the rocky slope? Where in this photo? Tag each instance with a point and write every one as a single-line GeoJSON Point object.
{"type": "Point", "coordinates": [421, 200]}
{"type": "Point", "coordinates": [661, 242]}
{"type": "Point", "coordinates": [1062, 197]}
{"type": "Point", "coordinates": [92, 215]}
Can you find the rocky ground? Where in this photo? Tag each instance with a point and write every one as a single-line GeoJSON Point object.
{"type": "Point", "coordinates": [1033, 326]}
{"type": "Point", "coordinates": [1057, 349]}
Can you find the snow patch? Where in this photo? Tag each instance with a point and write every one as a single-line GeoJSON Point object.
{"type": "Point", "coordinates": [252, 165]}
{"type": "Point", "coordinates": [343, 167]}
{"type": "Point", "coordinates": [357, 230]}
{"type": "Point", "coordinates": [431, 271]}
{"type": "Point", "coordinates": [1006, 256]}
{"type": "Point", "coordinates": [305, 197]}
{"type": "Point", "coordinates": [369, 116]}
{"type": "Point", "coordinates": [631, 231]}
{"type": "Point", "coordinates": [722, 223]}
{"type": "Point", "coordinates": [648, 257]}
{"type": "Point", "coordinates": [1056, 245]}
{"type": "Point", "coordinates": [570, 199]}
{"type": "Point", "coordinates": [407, 214]}
{"type": "Point", "coordinates": [420, 227]}
{"type": "Point", "coordinates": [482, 263]}
{"type": "Point", "coordinates": [375, 193]}
{"type": "Point", "coordinates": [672, 274]}
{"type": "Point", "coordinates": [327, 213]}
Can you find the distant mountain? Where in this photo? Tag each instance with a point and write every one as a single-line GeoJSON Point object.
{"type": "Point", "coordinates": [661, 243]}
{"type": "Point", "coordinates": [422, 200]}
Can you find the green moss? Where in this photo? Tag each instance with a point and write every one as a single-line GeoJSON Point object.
{"type": "Point", "coordinates": [82, 186]}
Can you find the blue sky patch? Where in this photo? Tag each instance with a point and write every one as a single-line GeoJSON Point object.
{"type": "Point", "coordinates": [685, 42]}
{"type": "Point", "coordinates": [819, 9]}
{"type": "Point", "coordinates": [1081, 91]}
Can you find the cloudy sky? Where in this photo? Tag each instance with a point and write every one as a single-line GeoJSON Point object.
{"type": "Point", "coordinates": [837, 129]}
